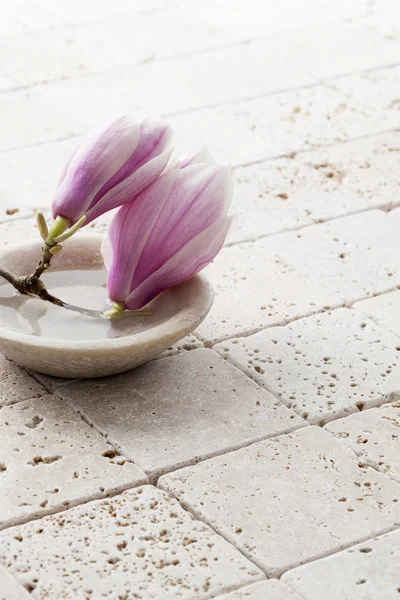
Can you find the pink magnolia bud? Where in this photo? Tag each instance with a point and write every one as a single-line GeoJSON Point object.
{"type": "Point", "coordinates": [172, 230]}
{"type": "Point", "coordinates": [112, 166]}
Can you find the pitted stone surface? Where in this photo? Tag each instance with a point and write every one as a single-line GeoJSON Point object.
{"type": "Point", "coordinates": [364, 168]}
{"type": "Point", "coordinates": [262, 128]}
{"type": "Point", "coordinates": [282, 194]}
{"type": "Point", "coordinates": [262, 496]}
{"type": "Point", "coordinates": [178, 410]}
{"type": "Point", "coordinates": [375, 91]}
{"type": "Point", "coordinates": [15, 384]}
{"type": "Point", "coordinates": [384, 310]}
{"type": "Point", "coordinates": [50, 459]}
{"type": "Point", "coordinates": [374, 435]}
{"type": "Point", "coordinates": [364, 572]}
{"type": "Point", "coordinates": [48, 382]}
{"type": "Point", "coordinates": [119, 40]}
{"type": "Point", "coordinates": [357, 255]}
{"type": "Point", "coordinates": [254, 129]}
{"type": "Point", "coordinates": [190, 342]}
{"type": "Point", "coordinates": [264, 590]}
{"type": "Point", "coordinates": [140, 545]}
{"type": "Point", "coordinates": [266, 291]}
{"type": "Point", "coordinates": [323, 367]}
{"type": "Point", "coordinates": [10, 589]}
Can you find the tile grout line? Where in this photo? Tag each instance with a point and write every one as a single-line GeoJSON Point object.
{"type": "Point", "coordinates": [235, 43]}
{"type": "Point", "coordinates": [319, 82]}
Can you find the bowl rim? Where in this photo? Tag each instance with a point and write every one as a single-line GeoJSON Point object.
{"type": "Point", "coordinates": [185, 320]}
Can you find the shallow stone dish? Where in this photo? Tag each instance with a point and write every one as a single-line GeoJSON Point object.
{"type": "Point", "coordinates": [125, 344]}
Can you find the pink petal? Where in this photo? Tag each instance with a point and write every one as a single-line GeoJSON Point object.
{"type": "Point", "coordinates": [201, 195]}
{"type": "Point", "coordinates": [202, 156]}
{"type": "Point", "coordinates": [128, 234]}
{"type": "Point", "coordinates": [100, 156]}
{"type": "Point", "coordinates": [187, 262]}
{"type": "Point", "coordinates": [155, 135]}
{"type": "Point", "coordinates": [130, 187]}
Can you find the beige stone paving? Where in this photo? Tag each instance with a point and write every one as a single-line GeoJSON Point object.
{"type": "Point", "coordinates": [303, 102]}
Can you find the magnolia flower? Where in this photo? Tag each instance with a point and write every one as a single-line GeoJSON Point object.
{"type": "Point", "coordinates": [171, 231]}
{"type": "Point", "coordinates": [112, 166]}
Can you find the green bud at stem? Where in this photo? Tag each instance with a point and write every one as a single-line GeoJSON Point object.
{"type": "Point", "coordinates": [42, 226]}
{"type": "Point", "coordinates": [59, 227]}
{"type": "Point", "coordinates": [116, 311]}
{"type": "Point", "coordinates": [70, 232]}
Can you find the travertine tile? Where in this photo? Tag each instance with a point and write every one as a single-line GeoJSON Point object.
{"type": "Point", "coordinates": [48, 382]}
{"type": "Point", "coordinates": [104, 44]}
{"type": "Point", "coordinates": [16, 384]}
{"type": "Point", "coordinates": [343, 48]}
{"type": "Point", "coordinates": [256, 18]}
{"type": "Point", "coordinates": [375, 91]}
{"type": "Point", "coordinates": [264, 590]}
{"type": "Point", "coordinates": [262, 128]}
{"type": "Point", "coordinates": [255, 288]}
{"type": "Point", "coordinates": [384, 310]}
{"type": "Point", "coordinates": [13, 231]}
{"type": "Point", "coordinates": [357, 255]}
{"type": "Point", "coordinates": [10, 589]}
{"type": "Point", "coordinates": [253, 130]}
{"type": "Point", "coordinates": [282, 194]}
{"type": "Point", "coordinates": [374, 435]}
{"type": "Point", "coordinates": [24, 16]}
{"type": "Point", "coordinates": [178, 410]}
{"type": "Point", "coordinates": [190, 342]}
{"type": "Point", "coordinates": [369, 570]}
{"type": "Point", "coordinates": [42, 167]}
{"type": "Point", "coordinates": [140, 544]}
{"type": "Point", "coordinates": [323, 367]}
{"type": "Point", "coordinates": [364, 168]}
{"type": "Point", "coordinates": [50, 459]}
{"type": "Point", "coordinates": [289, 500]}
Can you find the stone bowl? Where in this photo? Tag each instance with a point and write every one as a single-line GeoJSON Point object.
{"type": "Point", "coordinates": [190, 302]}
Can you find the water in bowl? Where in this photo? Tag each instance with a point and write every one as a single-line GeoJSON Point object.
{"type": "Point", "coordinates": [85, 288]}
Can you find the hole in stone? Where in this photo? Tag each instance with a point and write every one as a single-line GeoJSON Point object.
{"type": "Point", "coordinates": [360, 581]}
{"type": "Point", "coordinates": [365, 550]}
{"type": "Point", "coordinates": [35, 422]}
{"type": "Point", "coordinates": [2, 468]}
{"type": "Point", "coordinates": [110, 453]}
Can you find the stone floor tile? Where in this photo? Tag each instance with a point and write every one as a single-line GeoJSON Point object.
{"type": "Point", "coordinates": [24, 17]}
{"type": "Point", "coordinates": [289, 500]}
{"type": "Point", "coordinates": [50, 459]}
{"type": "Point", "coordinates": [374, 91]}
{"type": "Point", "coordinates": [15, 384]}
{"type": "Point", "coordinates": [323, 367]}
{"type": "Point", "coordinates": [264, 590]}
{"type": "Point", "coordinates": [10, 589]}
{"type": "Point", "coordinates": [282, 194]}
{"type": "Point", "coordinates": [255, 19]}
{"type": "Point", "coordinates": [374, 435]}
{"type": "Point", "coordinates": [179, 410]}
{"type": "Point", "coordinates": [343, 47]}
{"type": "Point", "coordinates": [357, 255]}
{"type": "Point", "coordinates": [139, 545]}
{"type": "Point", "coordinates": [366, 168]}
{"type": "Point", "coordinates": [50, 383]}
{"type": "Point", "coordinates": [384, 310]}
{"type": "Point", "coordinates": [104, 44]}
{"type": "Point", "coordinates": [265, 289]}
{"type": "Point", "coordinates": [12, 231]}
{"type": "Point", "coordinates": [263, 128]}
{"type": "Point", "coordinates": [364, 572]}
{"type": "Point", "coordinates": [190, 342]}
{"type": "Point", "coordinates": [254, 130]}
